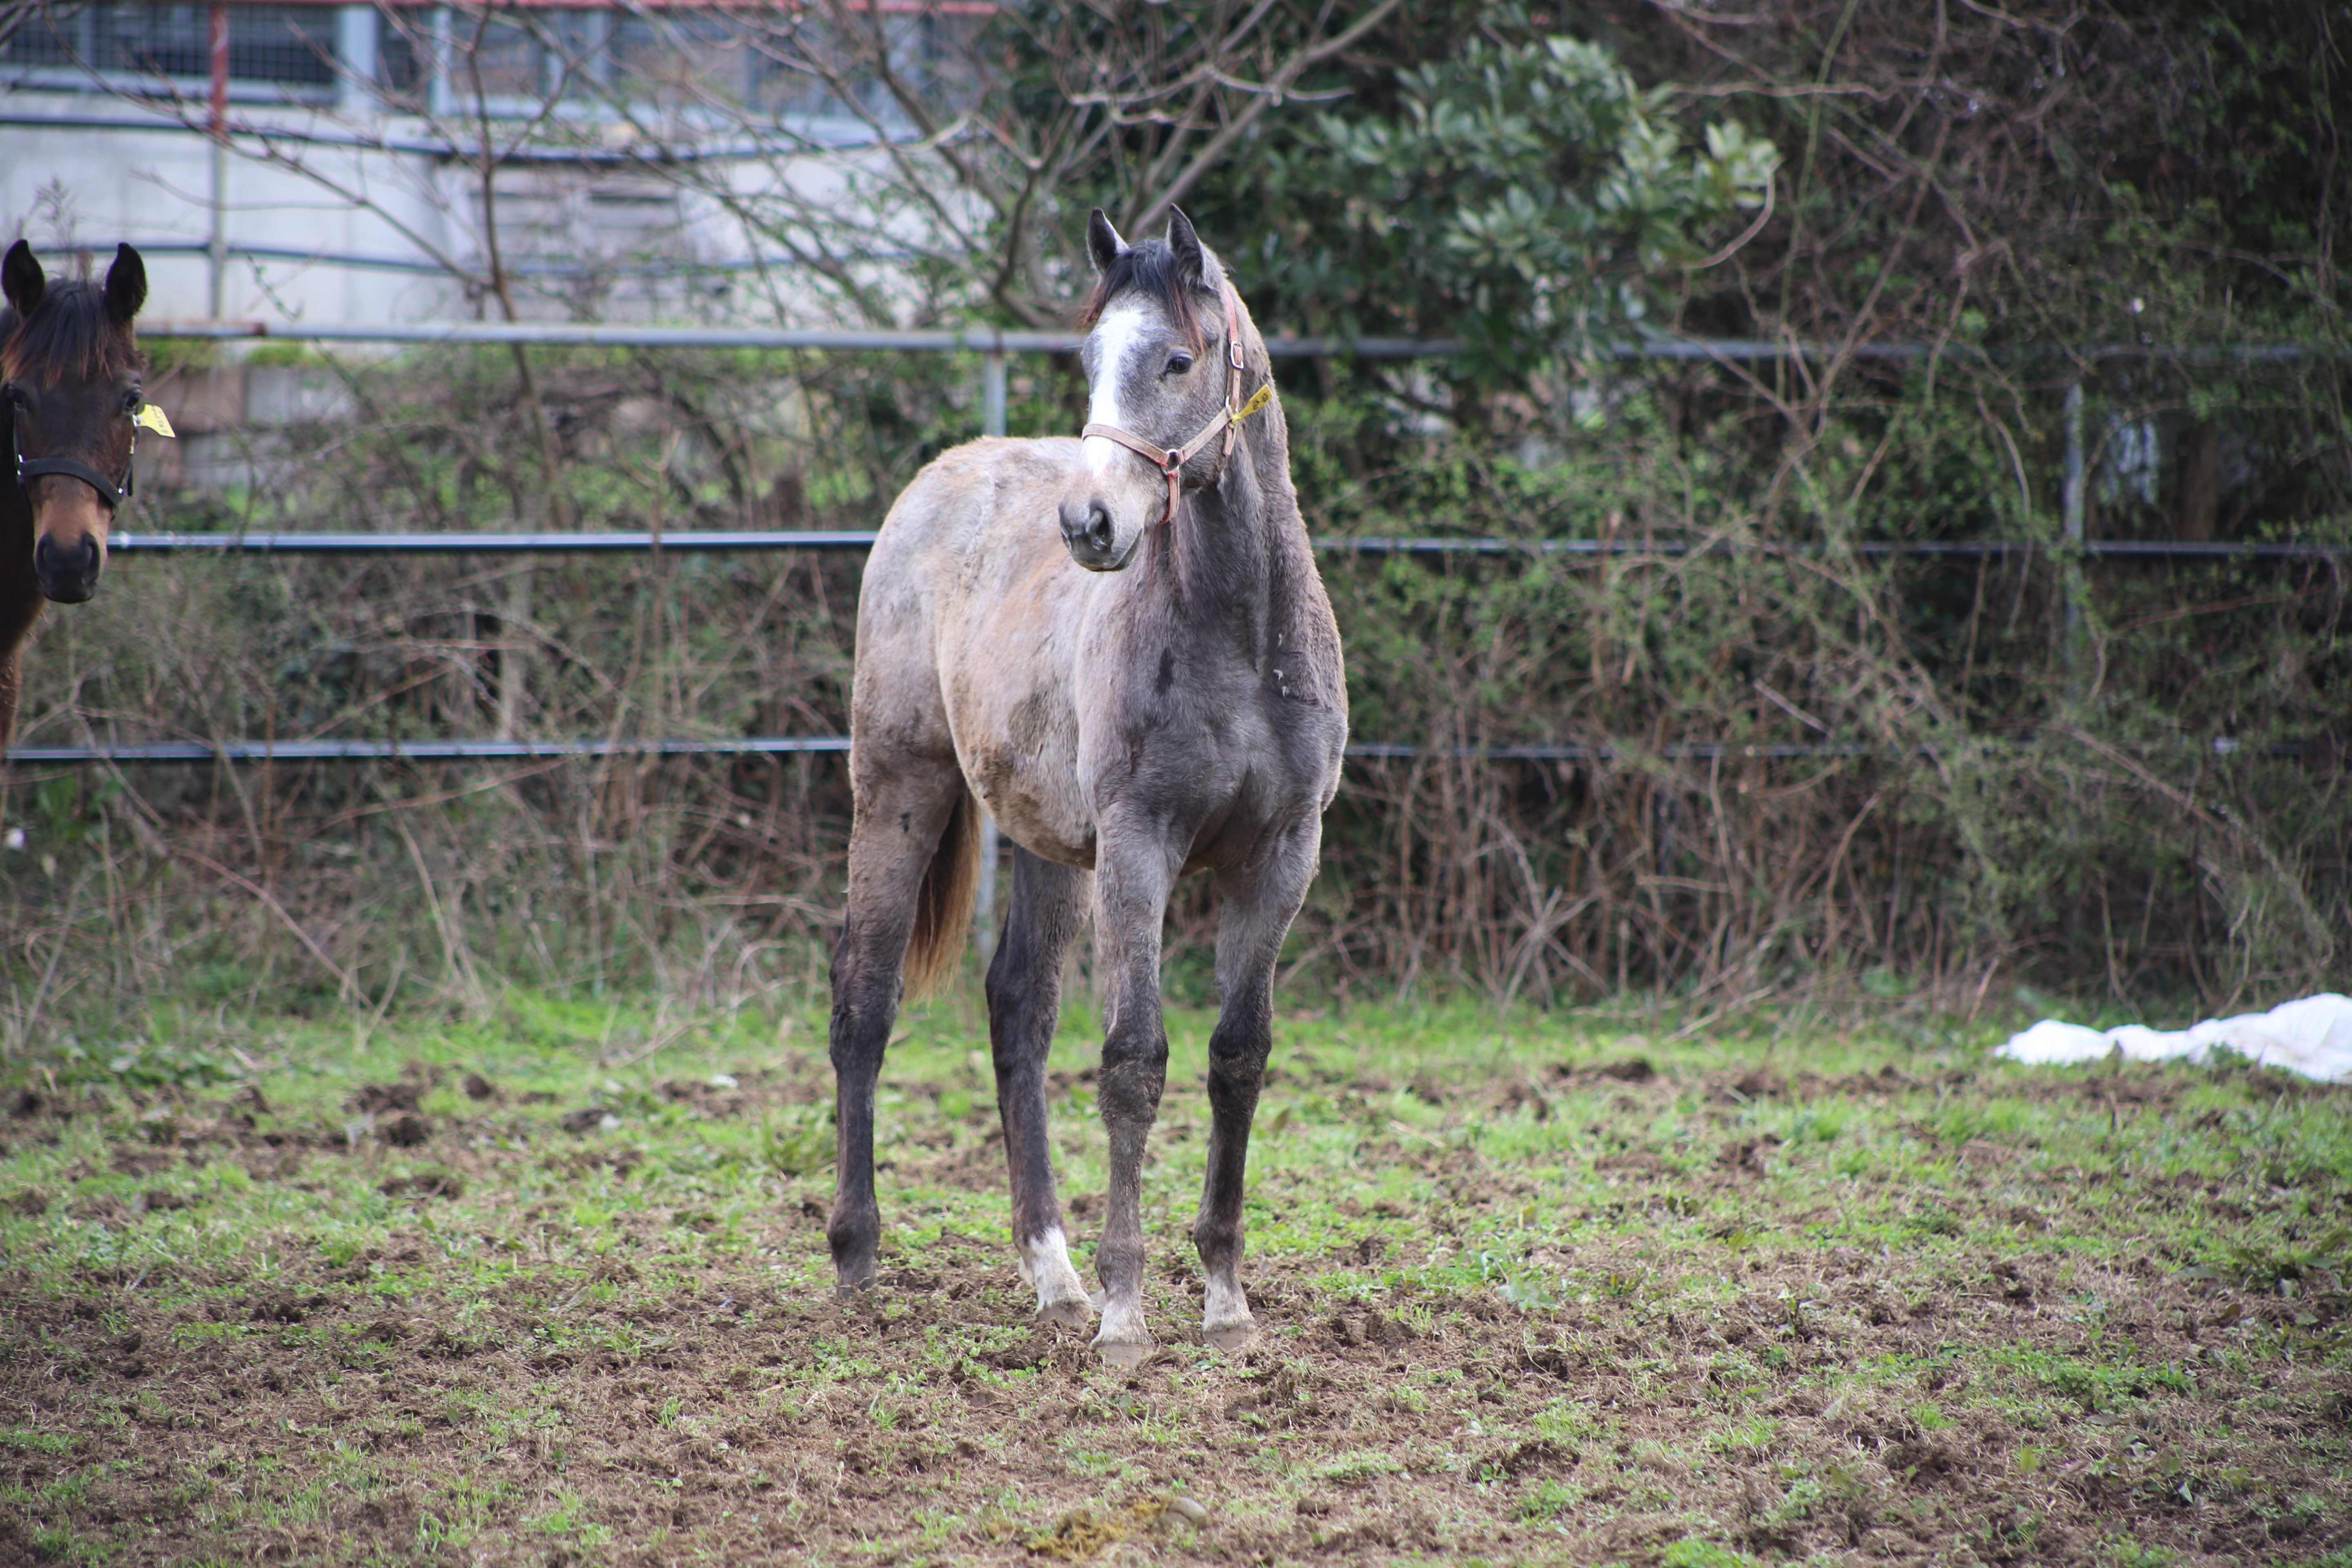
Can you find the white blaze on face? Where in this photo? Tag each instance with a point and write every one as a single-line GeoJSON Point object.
{"type": "Point", "coordinates": [1115, 336]}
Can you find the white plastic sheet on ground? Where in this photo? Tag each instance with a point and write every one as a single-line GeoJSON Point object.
{"type": "Point", "coordinates": [2312, 1036]}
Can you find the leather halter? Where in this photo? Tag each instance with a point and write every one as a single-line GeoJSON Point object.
{"type": "Point", "coordinates": [108, 491]}
{"type": "Point", "coordinates": [1171, 460]}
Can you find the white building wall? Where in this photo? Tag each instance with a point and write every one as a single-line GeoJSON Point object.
{"type": "Point", "coordinates": [70, 184]}
{"type": "Point", "coordinates": [341, 212]}
{"type": "Point", "coordinates": [361, 243]}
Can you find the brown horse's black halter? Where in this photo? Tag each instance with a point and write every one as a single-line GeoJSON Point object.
{"type": "Point", "coordinates": [1171, 460]}
{"type": "Point", "coordinates": [109, 492]}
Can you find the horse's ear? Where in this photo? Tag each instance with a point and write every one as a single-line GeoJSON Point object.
{"type": "Point", "coordinates": [21, 279]}
{"type": "Point", "coordinates": [126, 285]}
{"type": "Point", "coordinates": [1103, 243]}
{"type": "Point", "coordinates": [1184, 248]}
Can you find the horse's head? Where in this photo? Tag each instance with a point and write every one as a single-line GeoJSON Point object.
{"type": "Point", "coordinates": [74, 387]}
{"type": "Point", "coordinates": [1160, 369]}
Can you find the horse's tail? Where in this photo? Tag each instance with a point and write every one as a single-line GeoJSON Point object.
{"type": "Point", "coordinates": [943, 907]}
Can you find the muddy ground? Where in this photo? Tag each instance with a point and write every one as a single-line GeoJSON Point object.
{"type": "Point", "coordinates": [1640, 1306]}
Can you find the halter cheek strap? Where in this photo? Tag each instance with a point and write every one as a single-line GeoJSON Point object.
{"type": "Point", "coordinates": [1171, 460]}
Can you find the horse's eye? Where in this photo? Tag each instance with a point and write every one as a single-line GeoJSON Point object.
{"type": "Point", "coordinates": [15, 396]}
{"type": "Point", "coordinates": [1178, 364]}
{"type": "Point", "coordinates": [132, 402]}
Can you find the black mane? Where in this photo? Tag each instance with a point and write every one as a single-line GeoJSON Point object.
{"type": "Point", "coordinates": [69, 333]}
{"type": "Point", "coordinates": [1150, 267]}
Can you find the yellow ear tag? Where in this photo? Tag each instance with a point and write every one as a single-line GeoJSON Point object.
{"type": "Point", "coordinates": [152, 418]}
{"type": "Point", "coordinates": [1259, 399]}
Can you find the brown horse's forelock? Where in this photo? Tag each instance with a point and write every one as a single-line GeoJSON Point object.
{"type": "Point", "coordinates": [69, 333]}
{"type": "Point", "coordinates": [1150, 267]}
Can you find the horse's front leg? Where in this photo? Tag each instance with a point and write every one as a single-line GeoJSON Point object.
{"type": "Point", "coordinates": [1134, 870]}
{"type": "Point", "coordinates": [20, 608]}
{"type": "Point", "coordinates": [1259, 901]}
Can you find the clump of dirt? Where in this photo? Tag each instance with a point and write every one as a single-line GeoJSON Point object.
{"type": "Point", "coordinates": [376, 1098]}
{"type": "Point", "coordinates": [405, 1130]}
{"type": "Point", "coordinates": [1082, 1533]}
{"type": "Point", "coordinates": [432, 1185]}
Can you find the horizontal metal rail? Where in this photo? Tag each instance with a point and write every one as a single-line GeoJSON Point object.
{"type": "Point", "coordinates": [805, 136]}
{"type": "Point", "coordinates": [186, 751]}
{"type": "Point", "coordinates": [835, 340]}
{"type": "Point", "coordinates": [649, 267]}
{"type": "Point", "coordinates": [994, 339]}
{"type": "Point", "coordinates": [703, 540]}
{"type": "Point", "coordinates": [1717, 750]}
{"type": "Point", "coordinates": [420, 750]}
{"type": "Point", "coordinates": [686, 540]}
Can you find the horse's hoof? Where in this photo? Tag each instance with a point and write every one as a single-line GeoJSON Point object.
{"type": "Point", "coordinates": [1231, 1337]}
{"type": "Point", "coordinates": [1073, 1313]}
{"type": "Point", "coordinates": [1125, 1354]}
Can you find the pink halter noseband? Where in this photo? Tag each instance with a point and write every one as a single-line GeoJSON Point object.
{"type": "Point", "coordinates": [1171, 460]}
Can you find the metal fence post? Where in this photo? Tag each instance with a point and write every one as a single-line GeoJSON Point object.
{"type": "Point", "coordinates": [992, 394]}
{"type": "Point", "coordinates": [356, 58]}
{"type": "Point", "coordinates": [216, 249]}
{"type": "Point", "coordinates": [992, 423]}
{"type": "Point", "coordinates": [2070, 560]}
{"type": "Point", "coordinates": [440, 98]}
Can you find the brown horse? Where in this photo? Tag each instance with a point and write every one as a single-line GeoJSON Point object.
{"type": "Point", "coordinates": [1151, 687]}
{"type": "Point", "coordinates": [74, 393]}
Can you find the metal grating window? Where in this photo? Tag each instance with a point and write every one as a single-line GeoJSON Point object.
{"type": "Point", "coordinates": [786, 64]}
{"type": "Point", "coordinates": [288, 46]}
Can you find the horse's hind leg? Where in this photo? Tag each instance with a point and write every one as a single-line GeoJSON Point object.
{"type": "Point", "coordinates": [1260, 899]}
{"type": "Point", "coordinates": [1025, 1002]}
{"type": "Point", "coordinates": [901, 813]}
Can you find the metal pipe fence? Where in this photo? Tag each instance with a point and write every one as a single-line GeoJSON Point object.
{"type": "Point", "coordinates": [994, 344]}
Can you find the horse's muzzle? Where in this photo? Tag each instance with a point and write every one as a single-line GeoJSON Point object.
{"type": "Point", "coordinates": [69, 574]}
{"type": "Point", "coordinates": [1087, 530]}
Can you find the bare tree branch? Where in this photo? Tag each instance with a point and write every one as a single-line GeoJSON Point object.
{"type": "Point", "coordinates": [1238, 125]}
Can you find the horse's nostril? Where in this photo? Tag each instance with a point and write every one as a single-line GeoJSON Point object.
{"type": "Point", "coordinates": [67, 573]}
{"type": "Point", "coordinates": [1088, 529]}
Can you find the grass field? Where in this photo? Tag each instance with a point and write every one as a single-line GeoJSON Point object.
{"type": "Point", "coordinates": [548, 1289]}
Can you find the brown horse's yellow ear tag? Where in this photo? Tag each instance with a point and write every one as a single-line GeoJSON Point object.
{"type": "Point", "coordinates": [152, 418]}
{"type": "Point", "coordinates": [1259, 399]}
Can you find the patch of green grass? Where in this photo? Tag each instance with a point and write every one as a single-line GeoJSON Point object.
{"type": "Point", "coordinates": [32, 1442]}
{"type": "Point", "coordinates": [1358, 1465]}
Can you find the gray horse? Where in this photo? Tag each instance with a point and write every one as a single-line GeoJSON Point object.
{"type": "Point", "coordinates": [1156, 690]}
